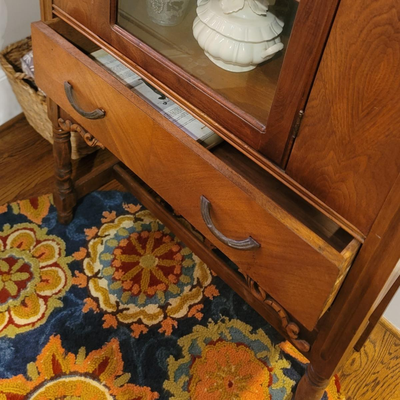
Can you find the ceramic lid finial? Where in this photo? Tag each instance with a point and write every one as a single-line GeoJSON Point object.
{"type": "Point", "coordinates": [259, 7]}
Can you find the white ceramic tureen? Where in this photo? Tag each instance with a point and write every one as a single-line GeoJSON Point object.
{"type": "Point", "coordinates": [237, 34]}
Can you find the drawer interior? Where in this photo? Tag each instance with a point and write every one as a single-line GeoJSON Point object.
{"type": "Point", "coordinates": [287, 199]}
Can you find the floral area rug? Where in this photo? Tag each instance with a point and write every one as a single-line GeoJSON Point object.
{"type": "Point", "coordinates": [115, 306]}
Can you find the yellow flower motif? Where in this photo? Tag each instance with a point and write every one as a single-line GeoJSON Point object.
{"type": "Point", "coordinates": [34, 274]}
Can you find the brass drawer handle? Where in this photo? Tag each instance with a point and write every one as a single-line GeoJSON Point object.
{"type": "Point", "coordinates": [96, 114]}
{"type": "Point", "coordinates": [245, 244]}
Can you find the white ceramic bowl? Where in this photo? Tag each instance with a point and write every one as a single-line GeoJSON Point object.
{"type": "Point", "coordinates": [236, 41]}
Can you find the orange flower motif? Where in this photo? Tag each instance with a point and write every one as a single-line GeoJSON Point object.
{"type": "Point", "coordinates": [57, 374]}
{"type": "Point", "coordinates": [36, 208]}
{"type": "Point", "coordinates": [90, 304]}
{"type": "Point", "coordinates": [108, 216]}
{"type": "Point", "coordinates": [138, 329]}
{"type": "Point", "coordinates": [211, 292]}
{"type": "Point", "coordinates": [131, 208]}
{"type": "Point", "coordinates": [228, 370]}
{"type": "Point", "coordinates": [138, 273]}
{"type": "Point", "coordinates": [90, 232]}
{"type": "Point", "coordinates": [81, 254]}
{"type": "Point", "coordinates": [80, 280]}
{"type": "Point", "coordinates": [110, 320]}
{"type": "Point", "coordinates": [195, 311]}
{"type": "Point", "coordinates": [167, 326]}
{"type": "Point", "coordinates": [228, 360]}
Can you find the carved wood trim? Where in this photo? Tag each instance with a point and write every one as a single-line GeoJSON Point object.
{"type": "Point", "coordinates": [89, 139]}
{"type": "Point", "coordinates": [291, 328]}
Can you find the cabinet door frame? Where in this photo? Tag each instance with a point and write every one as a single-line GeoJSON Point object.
{"type": "Point", "coordinates": [271, 137]}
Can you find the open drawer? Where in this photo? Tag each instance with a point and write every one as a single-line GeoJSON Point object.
{"type": "Point", "coordinates": [288, 248]}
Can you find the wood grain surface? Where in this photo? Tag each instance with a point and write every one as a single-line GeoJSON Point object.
{"type": "Point", "coordinates": [26, 168]}
{"type": "Point", "coordinates": [349, 130]}
{"type": "Point", "coordinates": [242, 112]}
{"type": "Point", "coordinates": [181, 171]}
{"type": "Point", "coordinates": [11, 122]}
{"type": "Point", "coordinates": [373, 373]}
{"type": "Point", "coordinates": [18, 144]}
{"type": "Point", "coordinates": [46, 10]}
{"type": "Point", "coordinates": [348, 149]}
{"type": "Point", "coordinates": [252, 154]}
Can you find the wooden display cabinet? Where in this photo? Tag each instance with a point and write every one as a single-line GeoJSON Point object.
{"type": "Point", "coordinates": [304, 193]}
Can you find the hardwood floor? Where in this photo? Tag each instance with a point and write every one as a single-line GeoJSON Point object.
{"type": "Point", "coordinates": [26, 170]}
{"type": "Point", "coordinates": [26, 164]}
{"type": "Point", "coordinates": [373, 373]}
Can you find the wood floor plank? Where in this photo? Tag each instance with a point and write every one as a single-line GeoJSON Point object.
{"type": "Point", "coordinates": [373, 373]}
{"type": "Point", "coordinates": [26, 170]}
{"type": "Point", "coordinates": [11, 122]}
{"type": "Point", "coordinates": [26, 164]}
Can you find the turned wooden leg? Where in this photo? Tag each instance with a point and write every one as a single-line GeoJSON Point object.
{"type": "Point", "coordinates": [64, 196]}
{"type": "Point", "coordinates": [311, 386]}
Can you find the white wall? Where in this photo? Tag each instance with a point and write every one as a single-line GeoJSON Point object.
{"type": "Point", "coordinates": [392, 313]}
{"type": "Point", "coordinates": [15, 19]}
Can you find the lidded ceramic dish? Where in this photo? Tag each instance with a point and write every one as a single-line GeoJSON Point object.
{"type": "Point", "coordinates": [237, 34]}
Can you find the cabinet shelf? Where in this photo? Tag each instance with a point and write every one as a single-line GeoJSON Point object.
{"type": "Point", "coordinates": [248, 93]}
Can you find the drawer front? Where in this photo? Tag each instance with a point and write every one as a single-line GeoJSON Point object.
{"type": "Point", "coordinates": [294, 273]}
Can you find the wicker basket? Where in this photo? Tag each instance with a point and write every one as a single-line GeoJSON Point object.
{"type": "Point", "coordinates": [32, 101]}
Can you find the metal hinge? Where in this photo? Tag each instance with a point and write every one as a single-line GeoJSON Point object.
{"type": "Point", "coordinates": [296, 126]}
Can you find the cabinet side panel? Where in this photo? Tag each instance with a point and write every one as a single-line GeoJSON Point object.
{"type": "Point", "coordinates": [46, 10]}
{"type": "Point", "coordinates": [348, 149]}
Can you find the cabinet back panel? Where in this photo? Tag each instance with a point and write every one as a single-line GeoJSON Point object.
{"type": "Point", "coordinates": [348, 149]}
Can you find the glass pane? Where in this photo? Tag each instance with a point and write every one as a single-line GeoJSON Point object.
{"type": "Point", "coordinates": [237, 35]}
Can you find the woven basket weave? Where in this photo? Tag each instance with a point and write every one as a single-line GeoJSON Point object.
{"type": "Point", "coordinates": [32, 101]}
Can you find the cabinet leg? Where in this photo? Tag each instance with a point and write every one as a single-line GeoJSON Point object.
{"type": "Point", "coordinates": [311, 386]}
{"type": "Point", "coordinates": [64, 195]}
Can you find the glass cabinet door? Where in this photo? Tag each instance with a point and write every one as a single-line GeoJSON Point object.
{"type": "Point", "coordinates": [243, 67]}
{"type": "Point", "coordinates": [243, 72]}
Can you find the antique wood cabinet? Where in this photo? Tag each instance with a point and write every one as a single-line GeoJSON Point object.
{"type": "Point", "coordinates": [303, 195]}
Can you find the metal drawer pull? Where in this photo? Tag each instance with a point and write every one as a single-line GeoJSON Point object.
{"type": "Point", "coordinates": [96, 114]}
{"type": "Point", "coordinates": [245, 244]}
